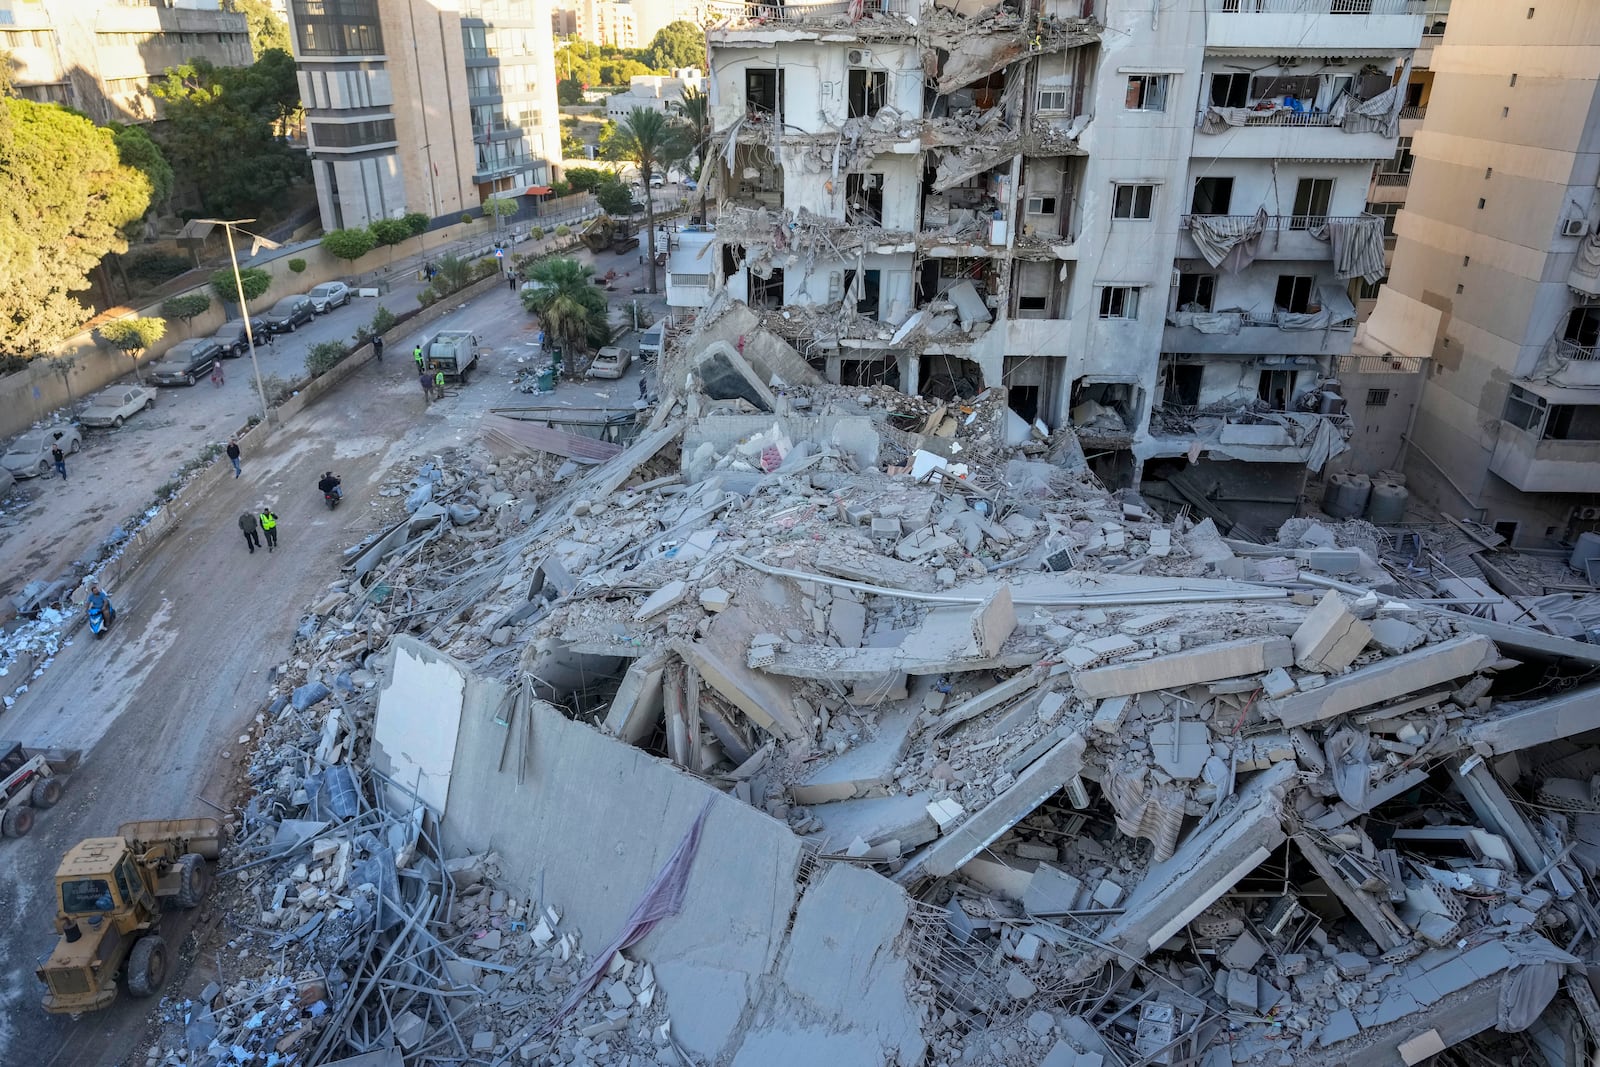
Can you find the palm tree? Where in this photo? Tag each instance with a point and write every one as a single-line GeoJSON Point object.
{"type": "Point", "coordinates": [697, 116]}
{"type": "Point", "coordinates": [573, 311]}
{"type": "Point", "coordinates": [650, 141]}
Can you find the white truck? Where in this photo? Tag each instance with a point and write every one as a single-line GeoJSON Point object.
{"type": "Point", "coordinates": [453, 351]}
{"type": "Point", "coordinates": [30, 779]}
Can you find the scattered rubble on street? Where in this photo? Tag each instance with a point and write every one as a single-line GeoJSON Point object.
{"type": "Point", "coordinates": [820, 723]}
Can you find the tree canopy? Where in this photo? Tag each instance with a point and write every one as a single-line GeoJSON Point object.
{"type": "Point", "coordinates": [677, 44]}
{"type": "Point", "coordinates": [132, 336]}
{"type": "Point", "coordinates": [69, 198]}
{"type": "Point", "coordinates": [186, 308]}
{"type": "Point", "coordinates": [224, 131]}
{"type": "Point", "coordinates": [267, 30]}
{"type": "Point", "coordinates": [254, 280]}
{"type": "Point", "coordinates": [137, 150]}
{"type": "Point", "coordinates": [614, 198]}
{"type": "Point", "coordinates": [651, 141]}
{"type": "Point", "coordinates": [574, 313]}
{"type": "Point", "coordinates": [349, 244]}
{"type": "Point", "coordinates": [581, 64]}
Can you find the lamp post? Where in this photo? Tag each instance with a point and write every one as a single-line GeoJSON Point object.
{"type": "Point", "coordinates": [258, 243]}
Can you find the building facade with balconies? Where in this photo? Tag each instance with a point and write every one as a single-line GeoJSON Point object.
{"type": "Point", "coordinates": [1088, 208]}
{"type": "Point", "coordinates": [1495, 277]}
{"type": "Point", "coordinates": [424, 105]}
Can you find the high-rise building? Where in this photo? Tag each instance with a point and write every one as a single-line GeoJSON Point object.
{"type": "Point", "coordinates": [425, 105]}
{"type": "Point", "coordinates": [1140, 220]}
{"type": "Point", "coordinates": [1496, 271]}
{"type": "Point", "coordinates": [101, 57]}
{"type": "Point", "coordinates": [608, 22]}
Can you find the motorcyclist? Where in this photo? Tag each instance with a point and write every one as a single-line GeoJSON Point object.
{"type": "Point", "coordinates": [330, 484]}
{"type": "Point", "coordinates": [99, 601]}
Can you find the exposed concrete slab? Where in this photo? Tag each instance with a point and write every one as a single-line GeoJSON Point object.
{"type": "Point", "coordinates": [1395, 636]}
{"type": "Point", "coordinates": [1330, 638]}
{"type": "Point", "coordinates": [875, 820]}
{"type": "Point", "coordinates": [419, 714]}
{"type": "Point", "coordinates": [724, 375]}
{"type": "Point", "coordinates": [1385, 930]}
{"type": "Point", "coordinates": [993, 697]}
{"type": "Point", "coordinates": [768, 702]}
{"type": "Point", "coordinates": [1371, 686]}
{"type": "Point", "coordinates": [1047, 776]}
{"type": "Point", "coordinates": [636, 709]}
{"type": "Point", "coordinates": [879, 571]}
{"type": "Point", "coordinates": [847, 622]}
{"type": "Point", "coordinates": [1051, 891]}
{"type": "Point", "coordinates": [993, 621]}
{"type": "Point", "coordinates": [663, 599]}
{"type": "Point", "coordinates": [1495, 810]}
{"type": "Point", "coordinates": [843, 993]}
{"type": "Point", "coordinates": [864, 771]}
{"type": "Point", "coordinates": [1535, 724]}
{"type": "Point", "coordinates": [1207, 663]}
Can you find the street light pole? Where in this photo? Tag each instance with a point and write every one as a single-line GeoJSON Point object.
{"type": "Point", "coordinates": [244, 310]}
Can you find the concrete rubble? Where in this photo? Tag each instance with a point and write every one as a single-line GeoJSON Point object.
{"type": "Point", "coordinates": [837, 754]}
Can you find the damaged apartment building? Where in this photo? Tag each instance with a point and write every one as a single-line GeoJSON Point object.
{"type": "Point", "coordinates": [1142, 219]}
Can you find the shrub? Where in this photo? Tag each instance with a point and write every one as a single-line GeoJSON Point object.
{"type": "Point", "coordinates": [485, 268]}
{"type": "Point", "coordinates": [277, 389]}
{"type": "Point", "coordinates": [563, 230]}
{"type": "Point", "coordinates": [255, 281]}
{"type": "Point", "coordinates": [383, 321]}
{"type": "Point", "coordinates": [536, 234]}
{"type": "Point", "coordinates": [427, 297]}
{"type": "Point", "coordinates": [416, 222]}
{"type": "Point", "coordinates": [466, 220]}
{"type": "Point", "coordinates": [297, 265]}
{"type": "Point", "coordinates": [349, 244]}
{"type": "Point", "coordinates": [322, 358]}
{"type": "Point", "coordinates": [153, 268]}
{"type": "Point", "coordinates": [186, 308]}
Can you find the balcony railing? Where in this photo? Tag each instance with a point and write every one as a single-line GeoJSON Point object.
{"type": "Point", "coordinates": [1278, 222]}
{"type": "Point", "coordinates": [1315, 7]}
{"type": "Point", "coordinates": [1254, 319]}
{"type": "Point", "coordinates": [1572, 350]}
{"type": "Point", "coordinates": [1413, 112]}
{"type": "Point", "coordinates": [1291, 118]}
{"type": "Point", "coordinates": [789, 12]}
{"type": "Point", "coordinates": [1395, 179]}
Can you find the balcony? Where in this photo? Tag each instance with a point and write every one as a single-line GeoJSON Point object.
{"type": "Point", "coordinates": [1282, 133]}
{"type": "Point", "coordinates": [1285, 236]}
{"type": "Point", "coordinates": [1274, 27]}
{"type": "Point", "coordinates": [1395, 179]}
{"type": "Point", "coordinates": [1417, 113]}
{"type": "Point", "coordinates": [1259, 437]}
{"type": "Point", "coordinates": [1535, 465]}
{"type": "Point", "coordinates": [1328, 331]}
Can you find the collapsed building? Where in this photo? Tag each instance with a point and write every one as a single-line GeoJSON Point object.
{"type": "Point", "coordinates": [809, 723]}
{"type": "Point", "coordinates": [1144, 224]}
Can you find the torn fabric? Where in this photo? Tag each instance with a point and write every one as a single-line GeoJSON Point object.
{"type": "Point", "coordinates": [1229, 241]}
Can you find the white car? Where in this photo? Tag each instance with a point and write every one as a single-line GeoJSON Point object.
{"type": "Point", "coordinates": [112, 407]}
{"type": "Point", "coordinates": [329, 295]}
{"type": "Point", "coordinates": [610, 362]}
{"type": "Point", "coordinates": [29, 455]}
{"type": "Point", "coordinates": [657, 181]}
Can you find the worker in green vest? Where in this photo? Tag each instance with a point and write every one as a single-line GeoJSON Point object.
{"type": "Point", "coordinates": [269, 526]}
{"type": "Point", "coordinates": [438, 384]}
{"type": "Point", "coordinates": [416, 354]}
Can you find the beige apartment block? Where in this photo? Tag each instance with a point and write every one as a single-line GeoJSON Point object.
{"type": "Point", "coordinates": [425, 105]}
{"type": "Point", "coordinates": [1496, 272]}
{"type": "Point", "coordinates": [101, 57]}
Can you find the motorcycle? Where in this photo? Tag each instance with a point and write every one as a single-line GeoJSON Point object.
{"type": "Point", "coordinates": [100, 621]}
{"type": "Point", "coordinates": [331, 498]}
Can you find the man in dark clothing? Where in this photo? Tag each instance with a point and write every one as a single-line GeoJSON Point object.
{"type": "Point", "coordinates": [233, 455]}
{"type": "Point", "coordinates": [60, 458]}
{"type": "Point", "coordinates": [269, 525]}
{"type": "Point", "coordinates": [377, 348]}
{"type": "Point", "coordinates": [425, 380]}
{"type": "Point", "coordinates": [247, 526]}
{"type": "Point", "coordinates": [511, 280]}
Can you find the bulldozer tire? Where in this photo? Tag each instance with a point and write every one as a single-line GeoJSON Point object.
{"type": "Point", "coordinates": [17, 822]}
{"type": "Point", "coordinates": [191, 880]}
{"type": "Point", "coordinates": [46, 793]}
{"type": "Point", "coordinates": [147, 966]}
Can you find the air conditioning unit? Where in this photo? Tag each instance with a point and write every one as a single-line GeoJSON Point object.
{"type": "Point", "coordinates": [859, 57]}
{"type": "Point", "coordinates": [1586, 514]}
{"type": "Point", "coordinates": [1574, 227]}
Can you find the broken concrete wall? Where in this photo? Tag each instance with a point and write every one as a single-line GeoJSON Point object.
{"type": "Point", "coordinates": [769, 355]}
{"type": "Point", "coordinates": [850, 435]}
{"type": "Point", "coordinates": [419, 712]}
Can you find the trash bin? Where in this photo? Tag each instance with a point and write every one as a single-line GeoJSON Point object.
{"type": "Point", "coordinates": [547, 380]}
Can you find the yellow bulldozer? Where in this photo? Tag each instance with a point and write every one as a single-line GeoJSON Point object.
{"type": "Point", "coordinates": [110, 894]}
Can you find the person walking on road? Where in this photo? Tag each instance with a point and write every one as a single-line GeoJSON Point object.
{"type": "Point", "coordinates": [60, 459]}
{"type": "Point", "coordinates": [269, 526]}
{"type": "Point", "coordinates": [438, 385]}
{"type": "Point", "coordinates": [217, 377]}
{"type": "Point", "coordinates": [511, 280]}
{"type": "Point", "coordinates": [416, 354]}
{"type": "Point", "coordinates": [377, 348]}
{"type": "Point", "coordinates": [233, 455]}
{"type": "Point", "coordinates": [247, 526]}
{"type": "Point", "coordinates": [424, 380]}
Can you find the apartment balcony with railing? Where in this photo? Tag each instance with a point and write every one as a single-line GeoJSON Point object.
{"type": "Point", "coordinates": [1316, 330]}
{"type": "Point", "coordinates": [1549, 439]}
{"type": "Point", "coordinates": [1283, 26]}
{"type": "Point", "coordinates": [1250, 436]}
{"type": "Point", "coordinates": [1304, 237]}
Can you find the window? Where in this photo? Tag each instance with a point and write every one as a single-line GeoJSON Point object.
{"type": "Point", "coordinates": [863, 198]}
{"type": "Point", "coordinates": [1366, 290]}
{"type": "Point", "coordinates": [1032, 303]}
{"type": "Point", "coordinates": [1052, 100]}
{"type": "Point", "coordinates": [1147, 92]}
{"type": "Point", "coordinates": [1119, 302]}
{"type": "Point", "coordinates": [1180, 383]}
{"type": "Point", "coordinates": [763, 92]}
{"type": "Point", "coordinates": [1387, 213]}
{"type": "Point", "coordinates": [1041, 205]}
{"type": "Point", "coordinates": [1132, 201]}
{"type": "Point", "coordinates": [352, 134]}
{"type": "Point", "coordinates": [863, 287]}
{"type": "Point", "coordinates": [767, 293]}
{"type": "Point", "coordinates": [1513, 81]}
{"type": "Point", "coordinates": [1377, 398]}
{"type": "Point", "coordinates": [1212, 196]}
{"type": "Point", "coordinates": [1311, 199]}
{"type": "Point", "coordinates": [1435, 13]}
{"type": "Point", "coordinates": [868, 91]}
{"type": "Point", "coordinates": [341, 28]}
{"type": "Point", "coordinates": [1583, 326]}
{"type": "Point", "coordinates": [1524, 410]}
{"type": "Point", "coordinates": [1482, 203]}
{"type": "Point", "coordinates": [1275, 387]}
{"type": "Point", "coordinates": [1230, 90]}
{"type": "Point", "coordinates": [1196, 292]}
{"type": "Point", "coordinates": [1403, 159]}
{"type": "Point", "coordinates": [1295, 294]}
{"type": "Point", "coordinates": [1572, 422]}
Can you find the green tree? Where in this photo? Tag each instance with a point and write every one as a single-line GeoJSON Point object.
{"type": "Point", "coordinates": [416, 223]}
{"type": "Point", "coordinates": [137, 150]}
{"type": "Point", "coordinates": [349, 244]}
{"type": "Point", "coordinates": [586, 179]}
{"type": "Point", "coordinates": [614, 197]}
{"type": "Point", "coordinates": [255, 280]}
{"type": "Point", "coordinates": [572, 310]}
{"type": "Point", "coordinates": [677, 44]}
{"type": "Point", "coordinates": [132, 337]}
{"type": "Point", "coordinates": [68, 201]}
{"type": "Point", "coordinates": [8, 72]}
{"type": "Point", "coordinates": [454, 273]}
{"type": "Point", "coordinates": [652, 142]}
{"type": "Point", "coordinates": [390, 231]}
{"type": "Point", "coordinates": [223, 131]}
{"type": "Point", "coordinates": [297, 265]}
{"type": "Point", "coordinates": [186, 308]}
{"type": "Point", "coordinates": [499, 207]}
{"type": "Point", "coordinates": [569, 91]}
{"type": "Point", "coordinates": [621, 71]}
{"type": "Point", "coordinates": [267, 30]}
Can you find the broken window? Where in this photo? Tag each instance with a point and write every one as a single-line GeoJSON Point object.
{"type": "Point", "coordinates": [1052, 100]}
{"type": "Point", "coordinates": [1275, 388]}
{"type": "Point", "coordinates": [862, 287]}
{"type": "Point", "coordinates": [1525, 410]}
{"type": "Point", "coordinates": [763, 92]}
{"type": "Point", "coordinates": [1033, 303]}
{"type": "Point", "coordinates": [1230, 90]}
{"type": "Point", "coordinates": [1296, 293]}
{"type": "Point", "coordinates": [1572, 422]}
{"type": "Point", "coordinates": [1041, 205]}
{"type": "Point", "coordinates": [863, 197]}
{"type": "Point", "coordinates": [1119, 302]}
{"type": "Point", "coordinates": [1403, 160]}
{"type": "Point", "coordinates": [1196, 292]}
{"type": "Point", "coordinates": [1133, 201]}
{"type": "Point", "coordinates": [868, 92]}
{"type": "Point", "coordinates": [767, 293]}
{"type": "Point", "coordinates": [1147, 92]}
{"type": "Point", "coordinates": [1181, 383]}
{"type": "Point", "coordinates": [1583, 326]}
{"type": "Point", "coordinates": [1311, 199]}
{"type": "Point", "coordinates": [1212, 196]}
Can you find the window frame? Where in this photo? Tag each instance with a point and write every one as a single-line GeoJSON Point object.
{"type": "Point", "coordinates": [1151, 90]}
{"type": "Point", "coordinates": [1133, 192]}
{"type": "Point", "coordinates": [1119, 302]}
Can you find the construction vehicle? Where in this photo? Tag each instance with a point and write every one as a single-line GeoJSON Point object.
{"type": "Point", "coordinates": [30, 779]}
{"type": "Point", "coordinates": [608, 232]}
{"type": "Point", "coordinates": [453, 351]}
{"type": "Point", "coordinates": [110, 893]}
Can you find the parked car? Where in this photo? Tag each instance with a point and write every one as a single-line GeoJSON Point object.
{"type": "Point", "coordinates": [651, 341]}
{"type": "Point", "coordinates": [657, 181]}
{"type": "Point", "coordinates": [29, 455]}
{"type": "Point", "coordinates": [288, 313]}
{"type": "Point", "coordinates": [112, 407]}
{"type": "Point", "coordinates": [232, 339]}
{"type": "Point", "coordinates": [186, 362]}
{"type": "Point", "coordinates": [329, 295]}
{"type": "Point", "coordinates": [609, 362]}
{"type": "Point", "coordinates": [690, 184]}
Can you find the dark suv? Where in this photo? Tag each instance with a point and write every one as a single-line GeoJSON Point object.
{"type": "Point", "coordinates": [231, 336]}
{"type": "Point", "coordinates": [288, 313]}
{"type": "Point", "coordinates": [186, 362]}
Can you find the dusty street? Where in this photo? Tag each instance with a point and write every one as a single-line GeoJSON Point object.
{"type": "Point", "coordinates": [159, 706]}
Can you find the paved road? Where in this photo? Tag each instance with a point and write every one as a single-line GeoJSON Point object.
{"type": "Point", "coordinates": [159, 705]}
